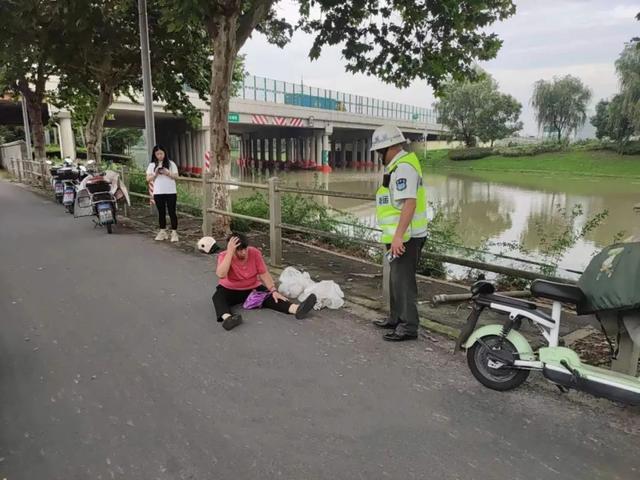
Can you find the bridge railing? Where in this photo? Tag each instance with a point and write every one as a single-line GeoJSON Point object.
{"type": "Point", "coordinates": [275, 91]}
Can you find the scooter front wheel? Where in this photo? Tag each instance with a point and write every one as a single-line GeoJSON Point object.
{"type": "Point", "coordinates": [109, 228]}
{"type": "Point", "coordinates": [491, 372]}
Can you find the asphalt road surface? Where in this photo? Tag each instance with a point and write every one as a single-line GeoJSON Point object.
{"type": "Point", "coordinates": [112, 366]}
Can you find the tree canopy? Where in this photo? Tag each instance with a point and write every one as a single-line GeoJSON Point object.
{"type": "Point", "coordinates": [394, 40]}
{"type": "Point", "coordinates": [100, 60]}
{"type": "Point", "coordinates": [475, 109]}
{"type": "Point", "coordinates": [561, 105]}
{"type": "Point", "coordinates": [628, 69]}
{"type": "Point", "coordinates": [27, 40]}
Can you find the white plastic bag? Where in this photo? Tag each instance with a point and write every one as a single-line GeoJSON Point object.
{"type": "Point", "coordinates": [298, 285]}
{"type": "Point", "coordinates": [293, 282]}
{"type": "Point", "coordinates": [328, 292]}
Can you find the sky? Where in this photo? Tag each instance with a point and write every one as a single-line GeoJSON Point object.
{"type": "Point", "coordinates": [545, 38]}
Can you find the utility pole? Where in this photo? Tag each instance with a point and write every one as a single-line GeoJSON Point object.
{"type": "Point", "coordinates": [149, 124]}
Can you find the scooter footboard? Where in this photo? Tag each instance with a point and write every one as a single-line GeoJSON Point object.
{"type": "Point", "coordinates": [562, 366]}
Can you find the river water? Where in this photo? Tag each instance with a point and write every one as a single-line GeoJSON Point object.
{"type": "Point", "coordinates": [498, 207]}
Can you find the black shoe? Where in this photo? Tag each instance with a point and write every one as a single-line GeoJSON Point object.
{"type": "Point", "coordinates": [305, 307]}
{"type": "Point", "coordinates": [394, 337]}
{"type": "Point", "coordinates": [231, 322]}
{"type": "Point", "coordinates": [383, 324]}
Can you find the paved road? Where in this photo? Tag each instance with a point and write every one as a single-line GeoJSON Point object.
{"type": "Point", "coordinates": [111, 366]}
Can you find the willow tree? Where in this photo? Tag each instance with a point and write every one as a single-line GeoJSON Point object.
{"type": "Point", "coordinates": [628, 69]}
{"type": "Point", "coordinates": [561, 105]}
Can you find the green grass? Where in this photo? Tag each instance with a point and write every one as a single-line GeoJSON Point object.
{"type": "Point", "coordinates": [587, 163]}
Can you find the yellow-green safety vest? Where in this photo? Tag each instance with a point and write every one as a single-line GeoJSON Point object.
{"type": "Point", "coordinates": [388, 215]}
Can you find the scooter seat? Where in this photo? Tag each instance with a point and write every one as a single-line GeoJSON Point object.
{"type": "Point", "coordinates": [559, 292]}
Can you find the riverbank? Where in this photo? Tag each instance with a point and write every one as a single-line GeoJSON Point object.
{"type": "Point", "coordinates": [593, 163]}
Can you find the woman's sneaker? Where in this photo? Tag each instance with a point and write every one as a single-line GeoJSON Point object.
{"type": "Point", "coordinates": [162, 235]}
{"type": "Point", "coordinates": [231, 322]}
{"type": "Point", "coordinates": [305, 307]}
{"type": "Point", "coordinates": [174, 236]}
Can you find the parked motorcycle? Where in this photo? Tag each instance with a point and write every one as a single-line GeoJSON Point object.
{"type": "Point", "coordinates": [98, 195]}
{"type": "Point", "coordinates": [501, 358]}
{"type": "Point", "coordinates": [71, 180]}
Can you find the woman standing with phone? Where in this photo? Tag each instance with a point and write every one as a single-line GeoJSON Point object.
{"type": "Point", "coordinates": [162, 172]}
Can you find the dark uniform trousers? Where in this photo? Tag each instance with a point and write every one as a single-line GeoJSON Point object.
{"type": "Point", "coordinates": [403, 288]}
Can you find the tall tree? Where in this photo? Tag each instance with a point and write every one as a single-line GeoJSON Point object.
{"type": "Point", "coordinates": [475, 109]}
{"type": "Point", "coordinates": [561, 105]}
{"type": "Point", "coordinates": [27, 40]}
{"type": "Point", "coordinates": [628, 69]}
{"type": "Point", "coordinates": [106, 62]}
{"type": "Point", "coordinates": [601, 119]}
{"type": "Point", "coordinates": [612, 121]}
{"type": "Point", "coordinates": [395, 40]}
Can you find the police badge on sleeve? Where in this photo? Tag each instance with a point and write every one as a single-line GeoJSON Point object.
{"type": "Point", "coordinates": [401, 184]}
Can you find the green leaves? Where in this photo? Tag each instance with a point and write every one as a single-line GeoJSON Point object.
{"type": "Point", "coordinates": [477, 110]}
{"type": "Point", "coordinates": [400, 40]}
{"type": "Point", "coordinates": [561, 105]}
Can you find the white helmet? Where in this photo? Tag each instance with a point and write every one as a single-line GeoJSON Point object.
{"type": "Point", "coordinates": [208, 245]}
{"type": "Point", "coordinates": [386, 136]}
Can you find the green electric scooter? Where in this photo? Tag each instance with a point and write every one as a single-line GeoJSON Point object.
{"type": "Point", "coordinates": [501, 358]}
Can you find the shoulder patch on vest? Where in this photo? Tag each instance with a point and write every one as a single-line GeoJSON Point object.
{"type": "Point", "coordinates": [401, 184]}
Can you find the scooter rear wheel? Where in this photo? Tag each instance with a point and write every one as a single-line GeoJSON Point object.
{"type": "Point", "coordinates": [488, 371]}
{"type": "Point", "coordinates": [109, 228]}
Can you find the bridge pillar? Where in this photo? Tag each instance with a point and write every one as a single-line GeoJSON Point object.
{"type": "Point", "coordinates": [179, 159]}
{"type": "Point", "coordinates": [318, 152]}
{"type": "Point", "coordinates": [312, 151]}
{"type": "Point", "coordinates": [254, 152]}
{"type": "Point", "coordinates": [185, 153]}
{"type": "Point", "coordinates": [247, 150]}
{"type": "Point", "coordinates": [326, 146]}
{"type": "Point", "coordinates": [278, 151]}
{"type": "Point", "coordinates": [191, 156]}
{"type": "Point", "coordinates": [200, 151]}
{"type": "Point", "coordinates": [67, 138]}
{"type": "Point", "coordinates": [263, 151]}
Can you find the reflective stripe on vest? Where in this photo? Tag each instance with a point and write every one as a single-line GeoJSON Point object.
{"type": "Point", "coordinates": [388, 215]}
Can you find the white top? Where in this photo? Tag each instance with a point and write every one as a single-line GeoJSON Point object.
{"type": "Point", "coordinates": [163, 184]}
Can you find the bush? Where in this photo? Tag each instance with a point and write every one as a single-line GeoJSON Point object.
{"type": "Point", "coordinates": [474, 153]}
{"type": "Point", "coordinates": [530, 150]}
{"type": "Point", "coordinates": [631, 148]}
{"type": "Point", "coordinates": [591, 144]}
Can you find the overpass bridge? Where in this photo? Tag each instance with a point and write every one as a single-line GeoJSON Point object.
{"type": "Point", "coordinates": [276, 123]}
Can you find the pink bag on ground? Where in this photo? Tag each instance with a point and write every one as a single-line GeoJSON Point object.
{"type": "Point", "coordinates": [255, 300]}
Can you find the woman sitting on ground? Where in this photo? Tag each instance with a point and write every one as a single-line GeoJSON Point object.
{"type": "Point", "coordinates": [241, 270]}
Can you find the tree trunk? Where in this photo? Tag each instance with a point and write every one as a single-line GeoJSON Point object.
{"type": "Point", "coordinates": [34, 112]}
{"type": "Point", "coordinates": [34, 109]}
{"type": "Point", "coordinates": [224, 56]}
{"type": "Point", "coordinates": [95, 127]}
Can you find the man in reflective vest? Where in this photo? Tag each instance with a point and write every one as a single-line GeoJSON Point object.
{"type": "Point", "coordinates": [401, 211]}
